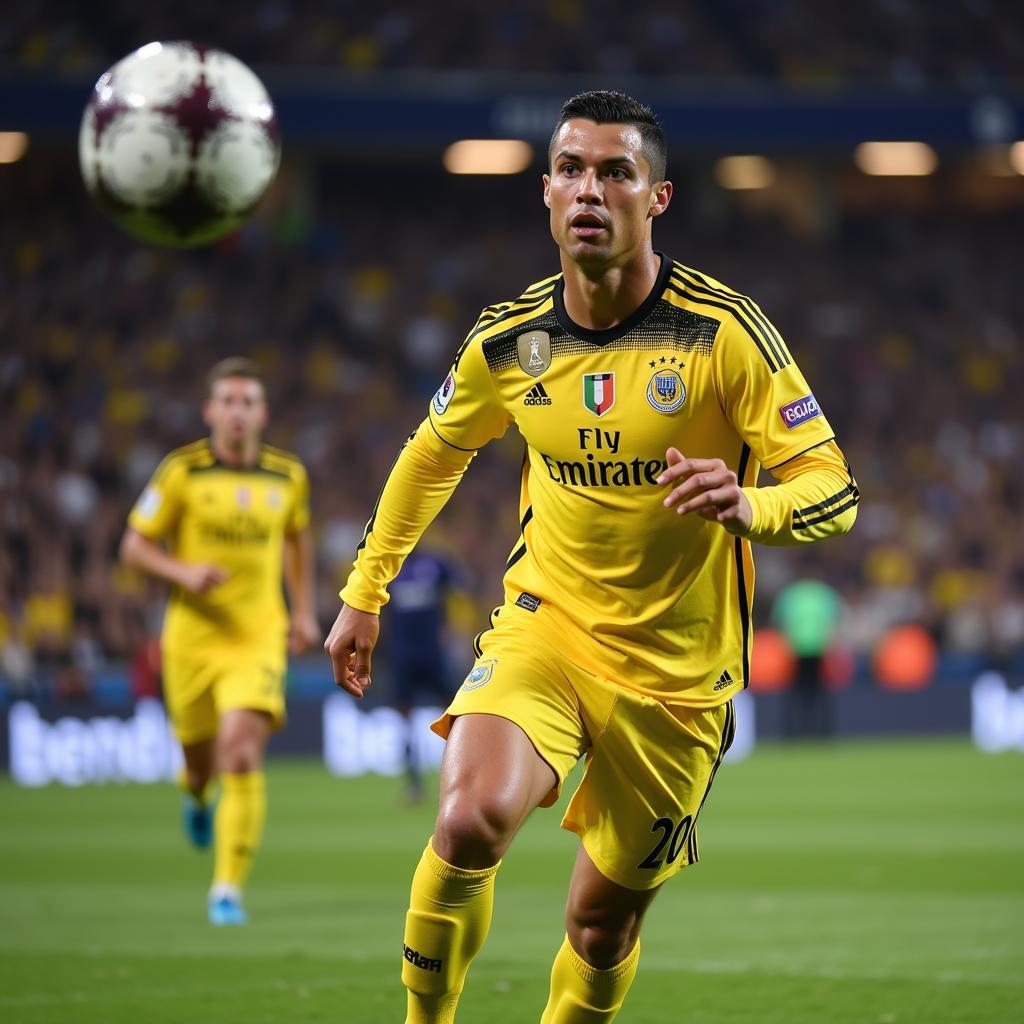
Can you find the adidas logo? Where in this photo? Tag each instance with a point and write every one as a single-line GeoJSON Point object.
{"type": "Point", "coordinates": [724, 680]}
{"type": "Point", "coordinates": [537, 395]}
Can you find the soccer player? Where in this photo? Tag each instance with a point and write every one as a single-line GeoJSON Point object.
{"type": "Point", "coordinates": [219, 521]}
{"type": "Point", "coordinates": [649, 395]}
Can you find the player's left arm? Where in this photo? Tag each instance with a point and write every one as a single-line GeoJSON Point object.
{"type": "Point", "coordinates": [766, 398]}
{"type": "Point", "coordinates": [299, 566]}
{"type": "Point", "coordinates": [816, 498]}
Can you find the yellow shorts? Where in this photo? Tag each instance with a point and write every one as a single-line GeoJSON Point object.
{"type": "Point", "coordinates": [649, 765]}
{"type": "Point", "coordinates": [199, 688]}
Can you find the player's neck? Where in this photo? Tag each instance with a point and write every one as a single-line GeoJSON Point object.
{"type": "Point", "coordinates": [240, 456]}
{"type": "Point", "coordinates": [598, 300]}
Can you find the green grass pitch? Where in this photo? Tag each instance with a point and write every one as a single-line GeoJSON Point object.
{"type": "Point", "coordinates": [867, 883]}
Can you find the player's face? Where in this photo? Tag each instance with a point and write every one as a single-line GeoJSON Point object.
{"type": "Point", "coordinates": [236, 411]}
{"type": "Point", "coordinates": [599, 193]}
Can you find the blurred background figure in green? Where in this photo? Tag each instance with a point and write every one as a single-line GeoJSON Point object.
{"type": "Point", "coordinates": [807, 612]}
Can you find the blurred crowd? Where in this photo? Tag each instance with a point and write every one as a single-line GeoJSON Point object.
{"type": "Point", "coordinates": [907, 326]}
{"type": "Point", "coordinates": [901, 43]}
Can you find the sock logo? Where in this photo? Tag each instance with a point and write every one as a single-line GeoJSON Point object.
{"type": "Point", "coordinates": [537, 395]}
{"type": "Point", "coordinates": [417, 959]}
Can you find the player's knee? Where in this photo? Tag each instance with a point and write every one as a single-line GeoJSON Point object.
{"type": "Point", "coordinates": [239, 755]}
{"type": "Point", "coordinates": [473, 831]}
{"type": "Point", "coordinates": [603, 944]}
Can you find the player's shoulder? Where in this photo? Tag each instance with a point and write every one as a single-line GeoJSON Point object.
{"type": "Point", "coordinates": [277, 460]}
{"type": "Point", "coordinates": [188, 457]}
{"type": "Point", "coordinates": [696, 288]}
{"type": "Point", "coordinates": [744, 319]}
{"type": "Point", "coordinates": [499, 325]}
{"type": "Point", "coordinates": [533, 302]}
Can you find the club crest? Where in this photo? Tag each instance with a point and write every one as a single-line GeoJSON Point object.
{"type": "Point", "coordinates": [666, 391]}
{"type": "Point", "coordinates": [480, 674]}
{"type": "Point", "coordinates": [598, 392]}
{"type": "Point", "coordinates": [534, 351]}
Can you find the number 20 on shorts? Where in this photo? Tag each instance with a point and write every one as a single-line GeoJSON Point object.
{"type": "Point", "coordinates": [673, 836]}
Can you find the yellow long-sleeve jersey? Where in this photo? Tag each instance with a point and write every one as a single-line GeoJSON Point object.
{"type": "Point", "coordinates": [655, 601]}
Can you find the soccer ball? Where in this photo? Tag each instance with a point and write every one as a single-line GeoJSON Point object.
{"type": "Point", "coordinates": [178, 143]}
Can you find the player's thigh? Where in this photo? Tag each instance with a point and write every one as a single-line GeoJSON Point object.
{"type": "Point", "coordinates": [492, 779]}
{"type": "Point", "coordinates": [253, 679]}
{"type": "Point", "coordinates": [524, 681]}
{"type": "Point", "coordinates": [188, 685]}
{"type": "Point", "coordinates": [647, 778]}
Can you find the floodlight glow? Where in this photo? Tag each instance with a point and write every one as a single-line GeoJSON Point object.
{"type": "Point", "coordinates": [1017, 157]}
{"type": "Point", "coordinates": [743, 172]}
{"type": "Point", "coordinates": [488, 156]}
{"type": "Point", "coordinates": [12, 146]}
{"type": "Point", "coordinates": [897, 159]}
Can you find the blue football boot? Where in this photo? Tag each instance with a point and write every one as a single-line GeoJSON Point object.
{"type": "Point", "coordinates": [226, 909]}
{"type": "Point", "coordinates": [197, 820]}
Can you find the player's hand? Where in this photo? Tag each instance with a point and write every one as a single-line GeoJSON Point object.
{"type": "Point", "coordinates": [350, 644]}
{"type": "Point", "coordinates": [707, 487]}
{"type": "Point", "coordinates": [198, 579]}
{"type": "Point", "coordinates": [303, 632]}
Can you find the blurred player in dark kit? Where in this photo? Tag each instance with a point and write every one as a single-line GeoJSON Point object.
{"type": "Point", "coordinates": [416, 618]}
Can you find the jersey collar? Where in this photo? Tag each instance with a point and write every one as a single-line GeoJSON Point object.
{"type": "Point", "coordinates": [619, 330]}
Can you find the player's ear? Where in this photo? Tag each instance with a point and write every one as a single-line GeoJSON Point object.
{"type": "Point", "coordinates": [546, 178]}
{"type": "Point", "coordinates": [661, 197]}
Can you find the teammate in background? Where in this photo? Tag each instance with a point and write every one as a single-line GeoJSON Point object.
{"type": "Point", "coordinates": [649, 395]}
{"type": "Point", "coordinates": [232, 514]}
{"type": "Point", "coordinates": [418, 659]}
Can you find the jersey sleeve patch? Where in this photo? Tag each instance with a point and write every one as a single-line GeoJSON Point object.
{"type": "Point", "coordinates": [800, 411]}
{"type": "Point", "coordinates": [444, 394]}
{"type": "Point", "coordinates": [149, 503]}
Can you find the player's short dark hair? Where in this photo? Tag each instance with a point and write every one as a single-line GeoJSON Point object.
{"type": "Point", "coordinates": [235, 366]}
{"type": "Point", "coordinates": [607, 107]}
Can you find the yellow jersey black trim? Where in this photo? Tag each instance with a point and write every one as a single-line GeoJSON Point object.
{"type": "Point", "coordinates": [196, 453]}
{"type": "Point", "coordinates": [477, 650]}
{"type": "Point", "coordinates": [751, 309]}
{"type": "Point", "coordinates": [443, 438]}
{"type": "Point", "coordinates": [663, 325]}
{"type": "Point", "coordinates": [521, 306]}
{"type": "Point", "coordinates": [823, 511]}
{"type": "Point", "coordinates": [619, 331]}
{"type": "Point", "coordinates": [760, 337]}
{"type": "Point", "coordinates": [728, 735]}
{"type": "Point", "coordinates": [742, 594]}
{"type": "Point", "coordinates": [817, 444]}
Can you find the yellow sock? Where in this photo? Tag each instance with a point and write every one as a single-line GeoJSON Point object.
{"type": "Point", "coordinates": [581, 994]}
{"type": "Point", "coordinates": [449, 915]}
{"type": "Point", "coordinates": [238, 825]}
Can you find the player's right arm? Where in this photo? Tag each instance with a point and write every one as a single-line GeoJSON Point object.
{"type": "Point", "coordinates": [464, 415]}
{"type": "Point", "coordinates": [141, 553]}
{"type": "Point", "coordinates": [154, 516]}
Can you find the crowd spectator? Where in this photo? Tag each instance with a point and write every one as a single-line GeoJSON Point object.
{"type": "Point", "coordinates": [905, 44]}
{"type": "Point", "coordinates": [907, 325]}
